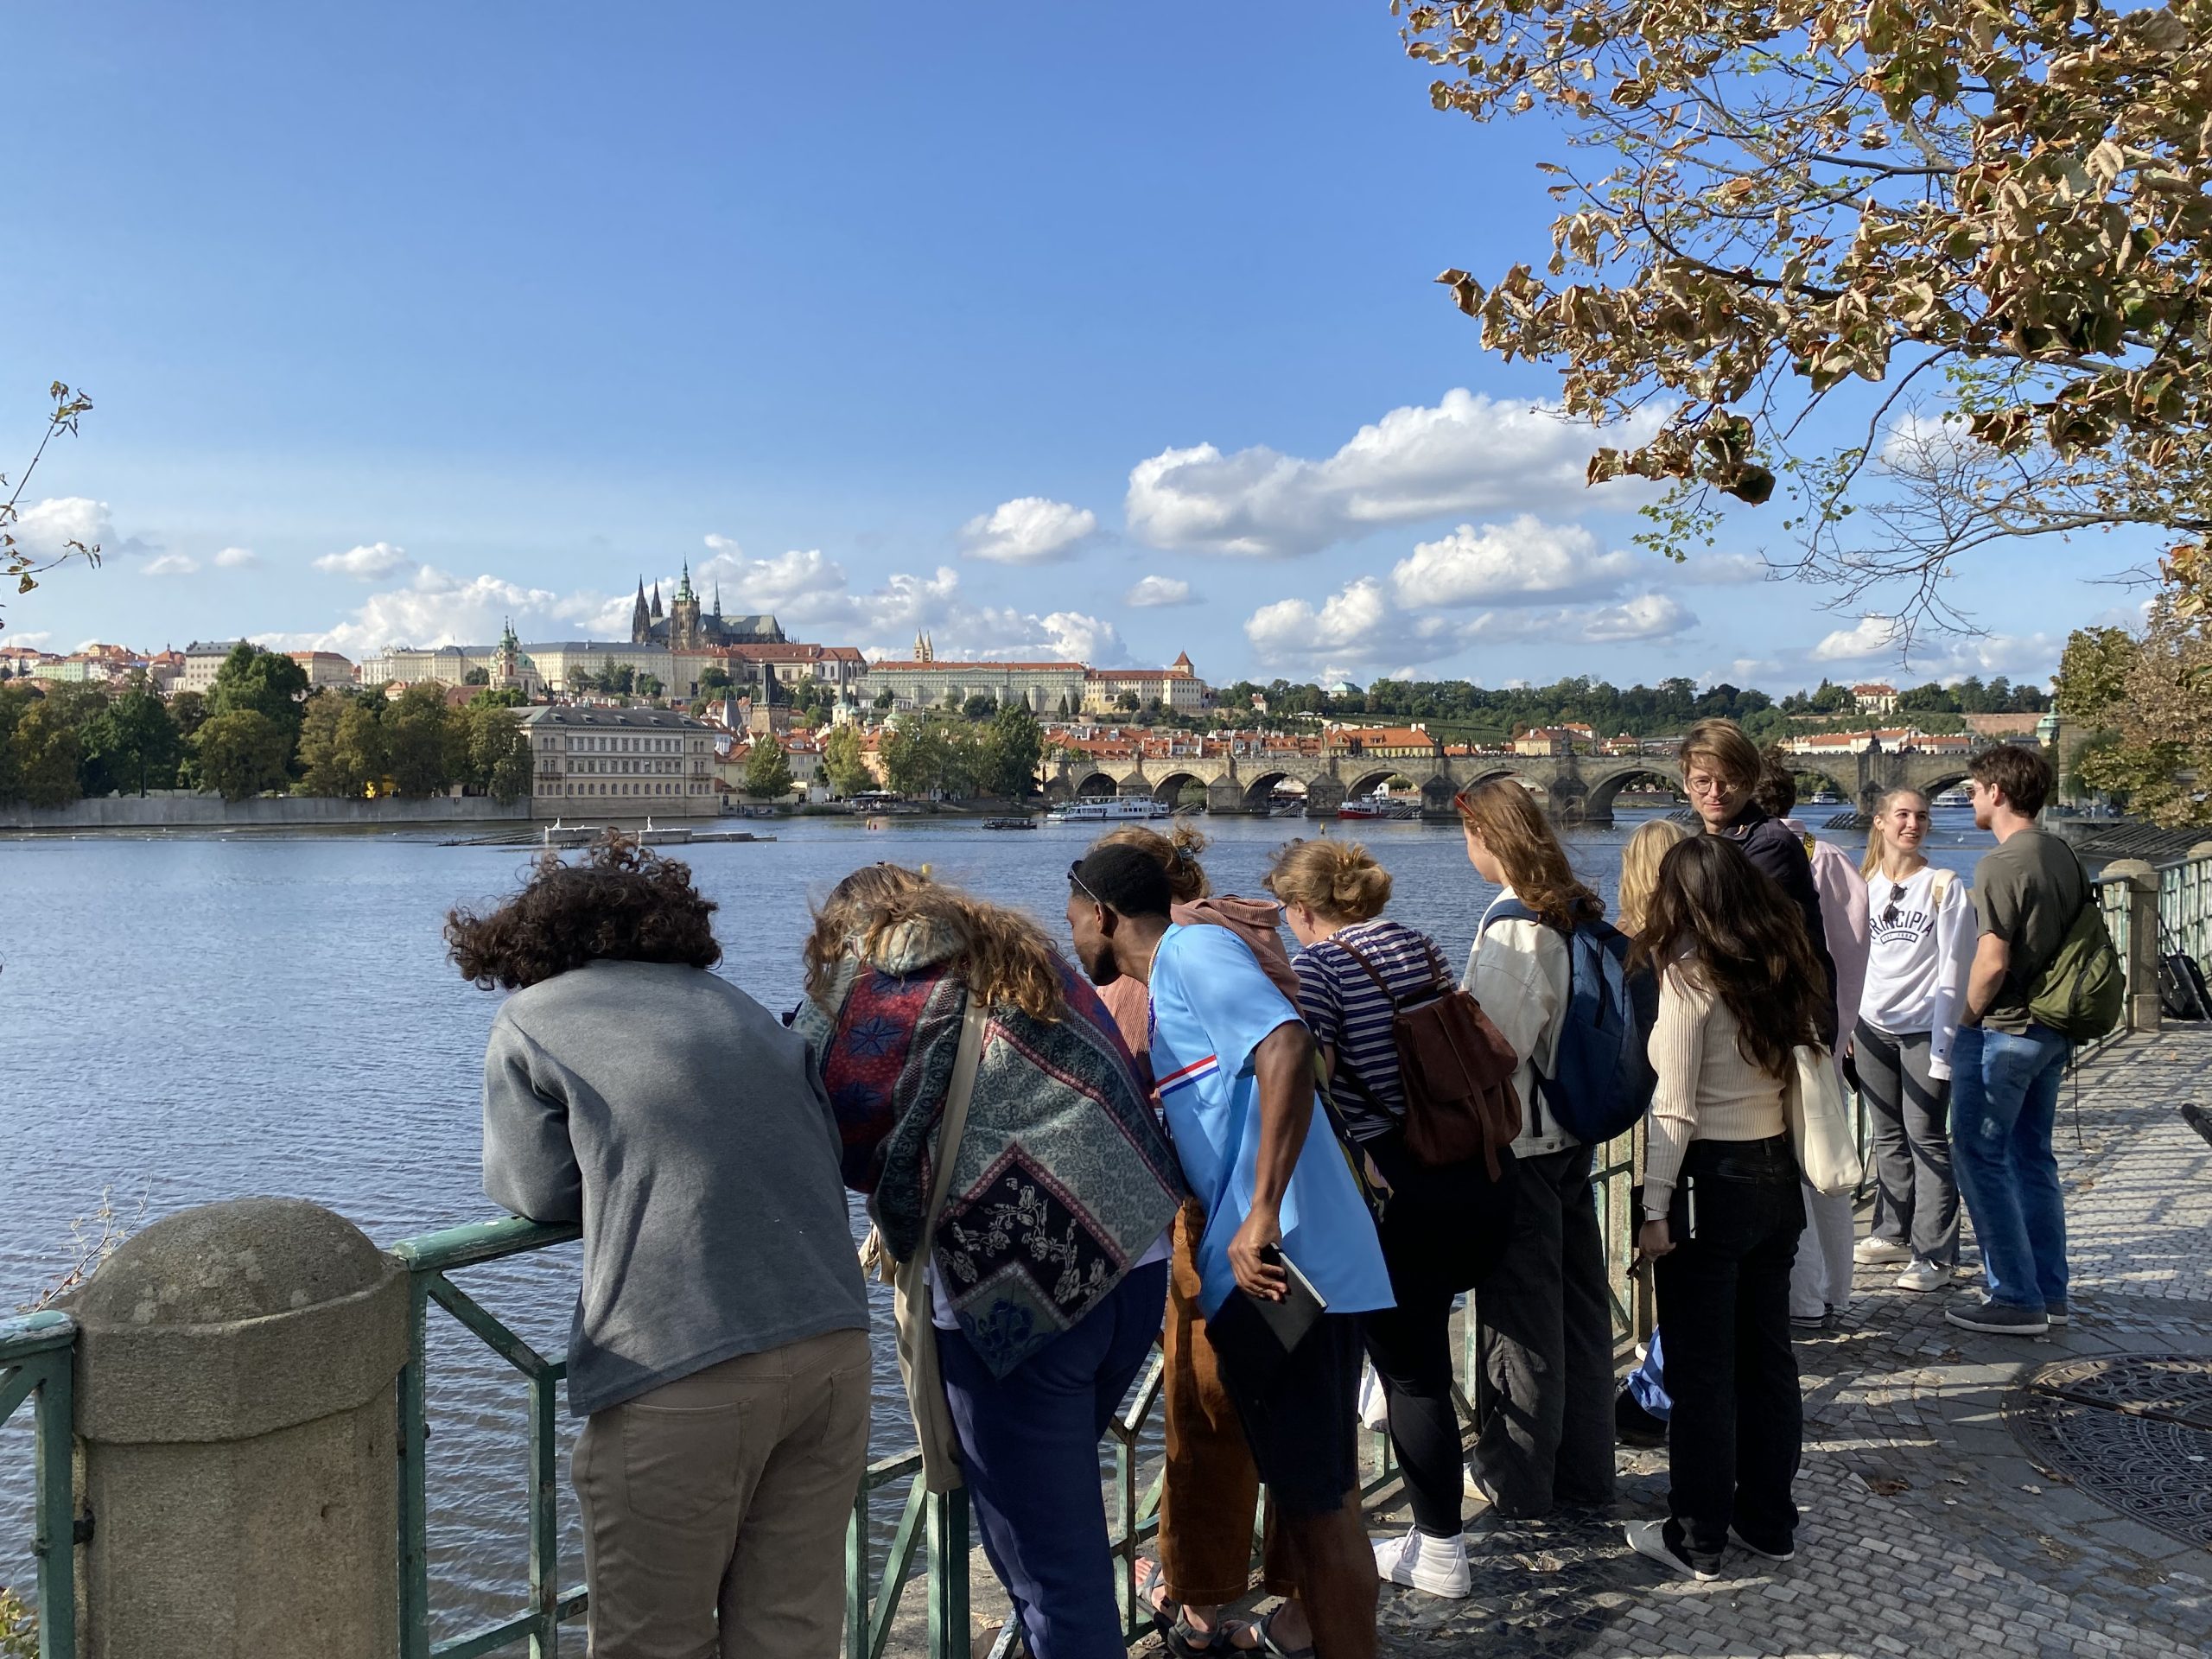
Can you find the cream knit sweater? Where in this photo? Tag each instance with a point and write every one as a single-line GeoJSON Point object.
{"type": "Point", "coordinates": [1708, 1090]}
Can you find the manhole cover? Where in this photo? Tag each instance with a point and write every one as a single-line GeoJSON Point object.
{"type": "Point", "coordinates": [2134, 1430]}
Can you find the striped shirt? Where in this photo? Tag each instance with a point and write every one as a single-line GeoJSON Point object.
{"type": "Point", "coordinates": [1347, 1012]}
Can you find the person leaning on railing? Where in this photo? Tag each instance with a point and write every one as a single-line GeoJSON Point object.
{"type": "Point", "coordinates": [1008, 1144]}
{"type": "Point", "coordinates": [720, 1350]}
{"type": "Point", "coordinates": [1208, 1483]}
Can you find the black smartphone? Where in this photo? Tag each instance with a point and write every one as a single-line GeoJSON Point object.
{"type": "Point", "coordinates": [1299, 1311]}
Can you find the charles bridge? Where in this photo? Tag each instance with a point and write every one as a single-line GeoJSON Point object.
{"type": "Point", "coordinates": [1575, 789]}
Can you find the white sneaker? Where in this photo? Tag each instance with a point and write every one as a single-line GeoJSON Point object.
{"type": "Point", "coordinates": [1923, 1275]}
{"type": "Point", "coordinates": [1437, 1565]}
{"type": "Point", "coordinates": [1870, 1248]}
{"type": "Point", "coordinates": [1649, 1540]}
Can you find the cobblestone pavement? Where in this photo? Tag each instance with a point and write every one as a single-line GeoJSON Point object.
{"type": "Point", "coordinates": [1928, 1529]}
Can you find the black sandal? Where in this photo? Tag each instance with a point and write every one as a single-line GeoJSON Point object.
{"type": "Point", "coordinates": [1181, 1637]}
{"type": "Point", "coordinates": [1266, 1630]}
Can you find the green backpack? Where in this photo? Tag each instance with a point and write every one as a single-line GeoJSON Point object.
{"type": "Point", "coordinates": [2082, 990]}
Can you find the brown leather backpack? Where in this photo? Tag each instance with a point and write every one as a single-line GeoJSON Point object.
{"type": "Point", "coordinates": [1456, 1069]}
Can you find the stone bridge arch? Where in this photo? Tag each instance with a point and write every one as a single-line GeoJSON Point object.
{"type": "Point", "coordinates": [1598, 805]}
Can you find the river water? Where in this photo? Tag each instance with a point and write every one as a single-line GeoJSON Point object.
{"type": "Point", "coordinates": [185, 1020]}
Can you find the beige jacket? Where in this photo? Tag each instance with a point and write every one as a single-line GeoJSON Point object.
{"type": "Point", "coordinates": [1518, 970]}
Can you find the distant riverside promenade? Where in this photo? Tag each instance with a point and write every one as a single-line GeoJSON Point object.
{"type": "Point", "coordinates": [185, 811]}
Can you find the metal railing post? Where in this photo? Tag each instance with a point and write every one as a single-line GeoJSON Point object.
{"type": "Point", "coordinates": [414, 1480]}
{"type": "Point", "coordinates": [544, 1523]}
{"type": "Point", "coordinates": [947, 1608]}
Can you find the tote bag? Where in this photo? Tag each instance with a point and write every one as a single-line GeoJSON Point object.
{"type": "Point", "coordinates": [1819, 1125]}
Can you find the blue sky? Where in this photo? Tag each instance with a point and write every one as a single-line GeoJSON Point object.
{"type": "Point", "coordinates": [1094, 331]}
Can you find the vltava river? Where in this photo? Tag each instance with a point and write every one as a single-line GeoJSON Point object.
{"type": "Point", "coordinates": [189, 1019]}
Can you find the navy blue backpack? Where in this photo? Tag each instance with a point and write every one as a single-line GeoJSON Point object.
{"type": "Point", "coordinates": [1602, 1079]}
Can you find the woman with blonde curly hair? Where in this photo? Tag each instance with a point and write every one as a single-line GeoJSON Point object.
{"type": "Point", "coordinates": [1545, 1387]}
{"type": "Point", "coordinates": [937, 1017]}
{"type": "Point", "coordinates": [1653, 840]}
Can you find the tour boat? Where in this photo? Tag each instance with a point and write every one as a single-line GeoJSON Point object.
{"type": "Point", "coordinates": [1378, 806]}
{"type": "Point", "coordinates": [1009, 823]}
{"type": "Point", "coordinates": [1120, 810]}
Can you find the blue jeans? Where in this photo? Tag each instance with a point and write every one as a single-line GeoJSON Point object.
{"type": "Point", "coordinates": [1029, 1455]}
{"type": "Point", "coordinates": [2004, 1104]}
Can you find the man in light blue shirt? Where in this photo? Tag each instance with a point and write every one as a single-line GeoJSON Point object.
{"type": "Point", "coordinates": [1234, 1065]}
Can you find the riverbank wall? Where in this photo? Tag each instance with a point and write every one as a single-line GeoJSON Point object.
{"type": "Point", "coordinates": [181, 811]}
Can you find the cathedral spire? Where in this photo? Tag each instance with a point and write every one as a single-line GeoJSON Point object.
{"type": "Point", "coordinates": [640, 619]}
{"type": "Point", "coordinates": [718, 599]}
{"type": "Point", "coordinates": [684, 588]}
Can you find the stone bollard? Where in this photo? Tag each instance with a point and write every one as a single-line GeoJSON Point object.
{"type": "Point", "coordinates": [237, 1406]}
{"type": "Point", "coordinates": [2142, 964]}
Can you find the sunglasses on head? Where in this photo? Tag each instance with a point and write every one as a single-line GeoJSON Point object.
{"type": "Point", "coordinates": [1075, 876]}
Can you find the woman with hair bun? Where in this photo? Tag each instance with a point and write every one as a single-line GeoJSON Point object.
{"type": "Point", "coordinates": [1443, 1226]}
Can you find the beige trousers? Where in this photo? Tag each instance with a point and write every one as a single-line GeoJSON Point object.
{"type": "Point", "coordinates": [714, 1507]}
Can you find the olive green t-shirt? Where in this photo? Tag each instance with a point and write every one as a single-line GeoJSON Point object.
{"type": "Point", "coordinates": [2026, 892]}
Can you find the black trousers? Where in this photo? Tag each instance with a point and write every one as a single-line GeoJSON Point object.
{"type": "Point", "coordinates": [1442, 1233]}
{"type": "Point", "coordinates": [1734, 1439]}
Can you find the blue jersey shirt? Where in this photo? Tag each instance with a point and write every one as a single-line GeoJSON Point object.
{"type": "Point", "coordinates": [1211, 1006]}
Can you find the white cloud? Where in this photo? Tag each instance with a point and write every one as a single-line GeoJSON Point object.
{"type": "Point", "coordinates": [1871, 636]}
{"type": "Point", "coordinates": [237, 558]}
{"type": "Point", "coordinates": [1524, 561]}
{"type": "Point", "coordinates": [1717, 569]}
{"type": "Point", "coordinates": [46, 528]}
{"type": "Point", "coordinates": [1646, 616]}
{"type": "Point", "coordinates": [373, 562]}
{"type": "Point", "coordinates": [1467, 455]}
{"type": "Point", "coordinates": [33, 640]}
{"type": "Point", "coordinates": [438, 608]}
{"type": "Point", "coordinates": [172, 564]}
{"type": "Point", "coordinates": [1359, 627]}
{"type": "Point", "coordinates": [1152, 592]}
{"type": "Point", "coordinates": [1028, 530]}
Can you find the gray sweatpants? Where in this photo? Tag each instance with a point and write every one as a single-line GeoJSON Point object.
{"type": "Point", "coordinates": [1908, 1118]}
{"type": "Point", "coordinates": [1545, 1394]}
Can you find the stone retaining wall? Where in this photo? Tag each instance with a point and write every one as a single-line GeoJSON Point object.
{"type": "Point", "coordinates": [181, 811]}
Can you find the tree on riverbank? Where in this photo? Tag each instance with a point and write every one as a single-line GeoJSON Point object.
{"type": "Point", "coordinates": [1936, 272]}
{"type": "Point", "coordinates": [241, 753]}
{"type": "Point", "coordinates": [767, 771]}
{"type": "Point", "coordinates": [2146, 699]}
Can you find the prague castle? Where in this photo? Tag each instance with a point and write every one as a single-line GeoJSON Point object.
{"type": "Point", "coordinates": [684, 628]}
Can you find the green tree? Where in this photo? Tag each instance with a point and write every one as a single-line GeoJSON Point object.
{"type": "Point", "coordinates": [498, 751]}
{"type": "Point", "coordinates": [1015, 749]}
{"type": "Point", "coordinates": [767, 772]}
{"type": "Point", "coordinates": [505, 697]}
{"type": "Point", "coordinates": [426, 749]}
{"type": "Point", "coordinates": [137, 736]}
{"type": "Point", "coordinates": [714, 679]}
{"type": "Point", "coordinates": [1127, 703]}
{"type": "Point", "coordinates": [885, 699]}
{"type": "Point", "coordinates": [477, 676]}
{"type": "Point", "coordinates": [242, 753]}
{"type": "Point", "coordinates": [1938, 268]}
{"type": "Point", "coordinates": [843, 758]}
{"type": "Point", "coordinates": [267, 681]}
{"type": "Point", "coordinates": [913, 759]}
{"type": "Point", "coordinates": [649, 685]}
{"type": "Point", "coordinates": [187, 709]}
{"type": "Point", "coordinates": [2093, 673]}
{"type": "Point", "coordinates": [342, 750]}
{"type": "Point", "coordinates": [39, 751]}
{"type": "Point", "coordinates": [982, 706]}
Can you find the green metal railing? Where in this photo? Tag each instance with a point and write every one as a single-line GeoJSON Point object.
{"type": "Point", "coordinates": [37, 1354]}
{"type": "Point", "coordinates": [2185, 908]}
{"type": "Point", "coordinates": [429, 1260]}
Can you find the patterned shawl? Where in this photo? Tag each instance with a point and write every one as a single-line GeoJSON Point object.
{"type": "Point", "coordinates": [1063, 1176]}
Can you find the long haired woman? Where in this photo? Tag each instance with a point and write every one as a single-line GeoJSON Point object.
{"type": "Point", "coordinates": [1740, 991]}
{"type": "Point", "coordinates": [1047, 1261]}
{"type": "Point", "coordinates": [1546, 1344]}
{"type": "Point", "coordinates": [1923, 943]}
